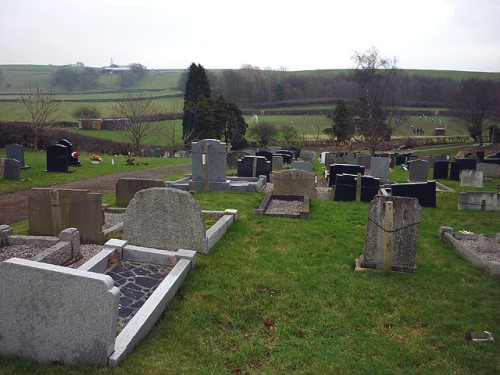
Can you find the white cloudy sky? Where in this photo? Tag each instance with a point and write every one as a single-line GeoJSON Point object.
{"type": "Point", "coordinates": [297, 35]}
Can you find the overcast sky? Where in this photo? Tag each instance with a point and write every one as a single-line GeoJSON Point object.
{"type": "Point", "coordinates": [296, 35]}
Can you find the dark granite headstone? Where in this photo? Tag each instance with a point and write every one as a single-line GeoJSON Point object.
{"type": "Point", "coordinates": [156, 153]}
{"type": "Point", "coordinates": [254, 166]}
{"type": "Point", "coordinates": [16, 151]}
{"type": "Point", "coordinates": [425, 192]}
{"type": "Point", "coordinates": [267, 154]}
{"type": "Point", "coordinates": [491, 160]}
{"type": "Point", "coordinates": [287, 158]}
{"type": "Point", "coordinates": [57, 158]}
{"type": "Point", "coordinates": [71, 160]}
{"type": "Point", "coordinates": [467, 163]}
{"type": "Point", "coordinates": [455, 171]}
{"type": "Point", "coordinates": [480, 155]}
{"type": "Point", "coordinates": [346, 184]}
{"type": "Point", "coordinates": [336, 169]}
{"type": "Point", "coordinates": [441, 169]}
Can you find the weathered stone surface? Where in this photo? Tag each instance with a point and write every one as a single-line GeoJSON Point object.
{"type": "Point", "coordinates": [406, 223]}
{"type": "Point", "coordinates": [489, 170]}
{"type": "Point", "coordinates": [379, 168]}
{"type": "Point", "coordinates": [127, 187]}
{"type": "Point", "coordinates": [51, 211]}
{"type": "Point", "coordinates": [10, 169]}
{"type": "Point", "coordinates": [418, 170]}
{"type": "Point", "coordinates": [294, 182]}
{"type": "Point", "coordinates": [478, 200]}
{"type": "Point", "coordinates": [302, 165]}
{"type": "Point", "coordinates": [16, 151]}
{"type": "Point", "coordinates": [277, 162]}
{"type": "Point", "coordinates": [165, 218]}
{"type": "Point", "coordinates": [56, 314]}
{"type": "Point", "coordinates": [471, 178]}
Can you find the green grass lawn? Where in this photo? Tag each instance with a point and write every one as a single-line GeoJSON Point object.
{"type": "Point", "coordinates": [279, 296]}
{"type": "Point", "coordinates": [37, 177]}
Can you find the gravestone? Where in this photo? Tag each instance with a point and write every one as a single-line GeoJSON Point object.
{"type": "Point", "coordinates": [392, 158]}
{"type": "Point", "coordinates": [254, 166]}
{"type": "Point", "coordinates": [267, 154]}
{"type": "Point", "coordinates": [479, 200]}
{"type": "Point", "coordinates": [328, 158]}
{"type": "Point", "coordinates": [42, 309]}
{"type": "Point", "coordinates": [302, 165]}
{"type": "Point", "coordinates": [16, 151]}
{"type": "Point", "coordinates": [402, 234]}
{"type": "Point", "coordinates": [471, 178]}
{"type": "Point", "coordinates": [277, 162]}
{"type": "Point", "coordinates": [274, 149]}
{"type": "Point", "coordinates": [418, 170]}
{"type": "Point", "coordinates": [425, 192]}
{"type": "Point", "coordinates": [127, 187]}
{"type": "Point", "coordinates": [10, 169]}
{"type": "Point", "coordinates": [380, 168]}
{"type": "Point", "coordinates": [71, 159]}
{"type": "Point", "coordinates": [287, 157]}
{"type": "Point", "coordinates": [232, 158]}
{"type": "Point", "coordinates": [57, 158]}
{"type": "Point", "coordinates": [480, 156]}
{"type": "Point", "coordinates": [165, 218]}
{"type": "Point", "coordinates": [490, 160]}
{"type": "Point", "coordinates": [336, 169]}
{"type": "Point", "coordinates": [346, 185]}
{"type": "Point", "coordinates": [209, 166]}
{"type": "Point", "coordinates": [454, 171]}
{"type": "Point", "coordinates": [349, 158]}
{"type": "Point", "coordinates": [466, 163]}
{"type": "Point", "coordinates": [489, 170]}
{"type": "Point", "coordinates": [156, 153]}
{"type": "Point", "coordinates": [294, 182]}
{"type": "Point", "coordinates": [50, 211]}
{"type": "Point", "coordinates": [365, 161]}
{"type": "Point", "coordinates": [307, 155]}
{"type": "Point", "coordinates": [441, 169]}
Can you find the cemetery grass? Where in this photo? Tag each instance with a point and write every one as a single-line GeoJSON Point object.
{"type": "Point", "coordinates": [37, 177]}
{"type": "Point", "coordinates": [280, 296]}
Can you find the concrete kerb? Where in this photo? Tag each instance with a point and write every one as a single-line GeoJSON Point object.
{"type": "Point", "coordinates": [448, 236]}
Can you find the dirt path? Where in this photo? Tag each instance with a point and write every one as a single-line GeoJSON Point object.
{"type": "Point", "coordinates": [14, 206]}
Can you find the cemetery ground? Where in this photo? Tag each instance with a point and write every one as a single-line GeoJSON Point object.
{"type": "Point", "coordinates": [279, 295]}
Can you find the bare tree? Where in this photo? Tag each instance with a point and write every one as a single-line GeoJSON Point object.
{"type": "Point", "coordinates": [140, 110]}
{"type": "Point", "coordinates": [377, 78]}
{"type": "Point", "coordinates": [474, 104]}
{"type": "Point", "coordinates": [43, 109]}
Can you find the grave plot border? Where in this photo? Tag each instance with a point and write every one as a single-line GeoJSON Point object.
{"type": "Point", "coordinates": [302, 214]}
{"type": "Point", "coordinates": [449, 237]}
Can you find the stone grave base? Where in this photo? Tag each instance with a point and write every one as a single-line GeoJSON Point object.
{"type": "Point", "coordinates": [469, 247]}
{"type": "Point", "coordinates": [359, 268]}
{"type": "Point", "coordinates": [292, 206]}
{"type": "Point", "coordinates": [241, 184]}
{"type": "Point", "coordinates": [136, 323]}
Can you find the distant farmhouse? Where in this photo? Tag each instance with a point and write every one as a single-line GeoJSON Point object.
{"type": "Point", "coordinates": [113, 68]}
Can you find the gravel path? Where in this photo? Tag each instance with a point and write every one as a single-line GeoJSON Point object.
{"type": "Point", "coordinates": [14, 206]}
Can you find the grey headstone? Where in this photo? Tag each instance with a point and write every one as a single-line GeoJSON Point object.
{"type": "Point", "coordinates": [471, 178]}
{"type": "Point", "coordinates": [165, 218]}
{"type": "Point", "coordinates": [209, 165]}
{"type": "Point", "coordinates": [10, 169]}
{"type": "Point", "coordinates": [56, 314]}
{"type": "Point", "coordinates": [478, 200]}
{"type": "Point", "coordinates": [274, 149]}
{"type": "Point", "coordinates": [365, 161]}
{"type": "Point", "coordinates": [16, 151]}
{"type": "Point", "coordinates": [307, 155]}
{"type": "Point", "coordinates": [277, 162]}
{"type": "Point", "coordinates": [157, 153]}
{"type": "Point", "coordinates": [302, 165]}
{"type": "Point", "coordinates": [418, 170]}
{"type": "Point", "coordinates": [406, 223]}
{"type": "Point", "coordinates": [380, 168]}
{"type": "Point", "coordinates": [294, 182]}
{"type": "Point", "coordinates": [489, 170]}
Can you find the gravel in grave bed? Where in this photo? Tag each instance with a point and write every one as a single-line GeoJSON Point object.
{"type": "Point", "coordinates": [284, 207]}
{"type": "Point", "coordinates": [473, 247]}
